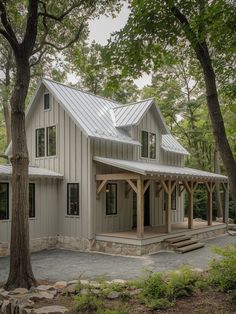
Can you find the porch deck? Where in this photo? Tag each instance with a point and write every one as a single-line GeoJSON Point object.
{"type": "Point", "coordinates": [158, 234]}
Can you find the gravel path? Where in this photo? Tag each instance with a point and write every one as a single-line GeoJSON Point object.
{"type": "Point", "coordinates": [68, 265]}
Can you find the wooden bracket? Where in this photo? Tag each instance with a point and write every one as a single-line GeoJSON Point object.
{"type": "Point", "coordinates": [133, 186]}
{"type": "Point", "coordinates": [147, 184]}
{"type": "Point", "coordinates": [100, 187]}
{"type": "Point", "coordinates": [181, 189]}
{"type": "Point", "coordinates": [159, 188]}
{"type": "Point", "coordinates": [127, 190]}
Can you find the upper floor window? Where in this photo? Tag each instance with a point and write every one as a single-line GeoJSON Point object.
{"type": "Point", "coordinates": [46, 141]}
{"type": "Point", "coordinates": [4, 201]}
{"type": "Point", "coordinates": [46, 101]}
{"type": "Point", "coordinates": [31, 200]}
{"type": "Point", "coordinates": [111, 199]}
{"type": "Point", "coordinates": [173, 200]}
{"type": "Point", "coordinates": [73, 199]}
{"type": "Point", "coordinates": [148, 141]}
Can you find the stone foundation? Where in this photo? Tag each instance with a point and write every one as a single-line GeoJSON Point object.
{"type": "Point", "coordinates": [71, 243]}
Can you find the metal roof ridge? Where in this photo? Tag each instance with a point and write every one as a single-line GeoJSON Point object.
{"type": "Point", "coordinates": [82, 91]}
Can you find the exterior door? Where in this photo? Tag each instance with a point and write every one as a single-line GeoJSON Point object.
{"type": "Point", "coordinates": [146, 207]}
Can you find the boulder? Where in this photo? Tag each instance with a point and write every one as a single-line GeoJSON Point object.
{"type": "Point", "coordinates": [84, 282]}
{"type": "Point", "coordinates": [94, 284]}
{"type": "Point", "coordinates": [45, 288]}
{"type": "Point", "coordinates": [113, 295]}
{"type": "Point", "coordinates": [19, 291]}
{"type": "Point", "coordinates": [59, 285]}
{"type": "Point", "coordinates": [43, 295]}
{"type": "Point", "coordinates": [71, 289]}
{"type": "Point", "coordinates": [119, 281]}
{"type": "Point", "coordinates": [53, 309]}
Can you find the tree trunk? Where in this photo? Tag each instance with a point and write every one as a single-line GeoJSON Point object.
{"type": "Point", "coordinates": [21, 274]}
{"type": "Point", "coordinates": [7, 118]}
{"type": "Point", "coordinates": [218, 196]}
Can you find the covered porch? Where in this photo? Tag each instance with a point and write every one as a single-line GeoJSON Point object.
{"type": "Point", "coordinates": [138, 177]}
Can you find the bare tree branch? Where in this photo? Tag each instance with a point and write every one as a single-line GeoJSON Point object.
{"type": "Point", "coordinates": [39, 58]}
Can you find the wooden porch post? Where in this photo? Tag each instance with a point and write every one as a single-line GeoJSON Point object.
{"type": "Point", "coordinates": [168, 210]}
{"type": "Point", "coordinates": [140, 211]}
{"type": "Point", "coordinates": [226, 210]}
{"type": "Point", "coordinates": [210, 188]}
{"type": "Point", "coordinates": [190, 214]}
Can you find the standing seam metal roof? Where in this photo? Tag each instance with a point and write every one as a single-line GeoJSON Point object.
{"type": "Point", "coordinates": [170, 144]}
{"type": "Point", "coordinates": [6, 171]}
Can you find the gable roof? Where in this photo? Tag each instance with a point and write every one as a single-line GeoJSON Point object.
{"type": "Point", "coordinates": [170, 144]}
{"type": "Point", "coordinates": [102, 118]}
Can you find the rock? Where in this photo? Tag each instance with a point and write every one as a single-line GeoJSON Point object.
{"type": "Point", "coordinates": [6, 307]}
{"type": "Point", "coordinates": [45, 288]}
{"type": "Point", "coordinates": [135, 292]}
{"type": "Point", "coordinates": [71, 289]}
{"type": "Point", "coordinates": [198, 270]}
{"type": "Point", "coordinates": [84, 292]}
{"type": "Point", "coordinates": [43, 295]}
{"type": "Point", "coordinates": [95, 291]}
{"type": "Point", "coordinates": [25, 311]}
{"type": "Point", "coordinates": [53, 309]}
{"type": "Point", "coordinates": [95, 284]}
{"type": "Point", "coordinates": [19, 291]}
{"type": "Point", "coordinates": [84, 282]}
{"type": "Point", "coordinates": [119, 281]}
{"type": "Point", "coordinates": [59, 285]}
{"type": "Point", "coordinates": [113, 295]}
{"type": "Point", "coordinates": [73, 282]}
{"type": "Point", "coordinates": [3, 294]}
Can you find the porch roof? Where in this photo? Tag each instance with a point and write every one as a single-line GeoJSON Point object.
{"type": "Point", "coordinates": [6, 171]}
{"type": "Point", "coordinates": [145, 168]}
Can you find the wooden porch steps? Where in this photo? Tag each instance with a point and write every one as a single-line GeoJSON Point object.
{"type": "Point", "coordinates": [182, 244]}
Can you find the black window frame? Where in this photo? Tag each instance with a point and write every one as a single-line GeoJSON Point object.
{"type": "Point", "coordinates": [173, 200]}
{"type": "Point", "coordinates": [37, 143]}
{"type": "Point", "coordinates": [149, 149]}
{"type": "Point", "coordinates": [46, 102]}
{"type": "Point", "coordinates": [32, 209]}
{"type": "Point", "coordinates": [69, 211]}
{"type": "Point", "coordinates": [48, 140]}
{"type": "Point", "coordinates": [7, 203]}
{"type": "Point", "coordinates": [108, 211]}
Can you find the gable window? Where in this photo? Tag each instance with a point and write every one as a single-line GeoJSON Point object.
{"type": "Point", "coordinates": [40, 142]}
{"type": "Point", "coordinates": [4, 201]}
{"type": "Point", "coordinates": [148, 141]}
{"type": "Point", "coordinates": [73, 199]}
{"type": "Point", "coordinates": [173, 200]}
{"type": "Point", "coordinates": [111, 199]}
{"type": "Point", "coordinates": [51, 141]}
{"type": "Point", "coordinates": [31, 200]}
{"type": "Point", "coordinates": [46, 102]}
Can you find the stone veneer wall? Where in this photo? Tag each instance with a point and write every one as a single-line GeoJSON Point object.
{"type": "Point", "coordinates": [108, 247]}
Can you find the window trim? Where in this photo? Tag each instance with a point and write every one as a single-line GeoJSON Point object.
{"type": "Point", "coordinates": [67, 199]}
{"type": "Point", "coordinates": [153, 133]}
{"type": "Point", "coordinates": [47, 140]}
{"type": "Point", "coordinates": [49, 102]}
{"type": "Point", "coordinates": [36, 143]}
{"type": "Point", "coordinates": [34, 200]}
{"type": "Point", "coordinates": [8, 209]}
{"type": "Point", "coordinates": [116, 212]}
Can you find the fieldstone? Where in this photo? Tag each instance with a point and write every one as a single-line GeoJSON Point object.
{"type": "Point", "coordinates": [43, 295]}
{"type": "Point", "coordinates": [53, 309]}
{"type": "Point", "coordinates": [135, 292]}
{"type": "Point", "coordinates": [19, 291]}
{"type": "Point", "coordinates": [71, 289]}
{"type": "Point", "coordinates": [113, 295]}
{"type": "Point", "coordinates": [95, 291]}
{"type": "Point", "coordinates": [3, 294]}
{"type": "Point", "coordinates": [198, 270]}
{"type": "Point", "coordinates": [25, 311]}
{"type": "Point", "coordinates": [84, 282]}
{"type": "Point", "coordinates": [44, 288]}
{"type": "Point", "coordinates": [119, 281]}
{"type": "Point", "coordinates": [73, 282]}
{"type": "Point", "coordinates": [95, 284]}
{"type": "Point", "coordinates": [84, 291]}
{"type": "Point", "coordinates": [59, 285]}
{"type": "Point", "coordinates": [6, 307]}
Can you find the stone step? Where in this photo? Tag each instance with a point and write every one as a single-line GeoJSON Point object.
{"type": "Point", "coordinates": [189, 248]}
{"type": "Point", "coordinates": [177, 239]}
{"type": "Point", "coordinates": [183, 243]}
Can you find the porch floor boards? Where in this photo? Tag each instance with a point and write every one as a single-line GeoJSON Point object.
{"type": "Point", "coordinates": [150, 232]}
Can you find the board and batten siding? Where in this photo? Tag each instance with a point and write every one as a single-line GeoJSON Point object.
{"type": "Point", "coordinates": [45, 222]}
{"type": "Point", "coordinates": [72, 160]}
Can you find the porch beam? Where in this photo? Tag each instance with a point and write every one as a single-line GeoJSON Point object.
{"type": "Point", "coordinates": [133, 186]}
{"type": "Point", "coordinates": [117, 176]}
{"type": "Point", "coordinates": [140, 209]}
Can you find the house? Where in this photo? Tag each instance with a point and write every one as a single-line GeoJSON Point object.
{"type": "Point", "coordinates": [104, 176]}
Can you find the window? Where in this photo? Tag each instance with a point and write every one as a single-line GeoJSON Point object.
{"type": "Point", "coordinates": [46, 102]}
{"type": "Point", "coordinates": [148, 141]}
{"type": "Point", "coordinates": [47, 145]}
{"type": "Point", "coordinates": [4, 201]}
{"type": "Point", "coordinates": [73, 199]}
{"type": "Point", "coordinates": [31, 200]}
{"type": "Point", "coordinates": [144, 144]}
{"type": "Point", "coordinates": [152, 145]}
{"type": "Point", "coordinates": [51, 141]}
{"type": "Point", "coordinates": [173, 200]}
{"type": "Point", "coordinates": [40, 142]}
{"type": "Point", "coordinates": [111, 199]}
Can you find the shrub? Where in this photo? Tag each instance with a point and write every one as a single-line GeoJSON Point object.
{"type": "Point", "coordinates": [223, 271]}
{"type": "Point", "coordinates": [88, 304]}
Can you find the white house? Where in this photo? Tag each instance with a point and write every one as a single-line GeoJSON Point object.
{"type": "Point", "coordinates": [104, 176]}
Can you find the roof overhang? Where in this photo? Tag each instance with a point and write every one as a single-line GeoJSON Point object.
{"type": "Point", "coordinates": [34, 172]}
{"type": "Point", "coordinates": [164, 171]}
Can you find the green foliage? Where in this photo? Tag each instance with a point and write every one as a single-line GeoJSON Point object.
{"type": "Point", "coordinates": [223, 271]}
{"type": "Point", "coordinates": [88, 303]}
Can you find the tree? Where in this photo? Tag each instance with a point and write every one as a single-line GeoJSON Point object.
{"type": "Point", "coordinates": [94, 76]}
{"type": "Point", "coordinates": [152, 35]}
{"type": "Point", "coordinates": [42, 24]}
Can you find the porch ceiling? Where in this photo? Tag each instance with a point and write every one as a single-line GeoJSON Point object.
{"type": "Point", "coordinates": [151, 169]}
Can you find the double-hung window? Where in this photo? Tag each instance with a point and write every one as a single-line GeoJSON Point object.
{"type": "Point", "coordinates": [73, 199]}
{"type": "Point", "coordinates": [46, 141]}
{"type": "Point", "coordinates": [4, 201]}
{"type": "Point", "coordinates": [111, 199]}
{"type": "Point", "coordinates": [148, 141]}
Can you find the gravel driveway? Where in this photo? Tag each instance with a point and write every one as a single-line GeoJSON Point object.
{"type": "Point", "coordinates": [66, 265]}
